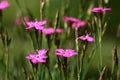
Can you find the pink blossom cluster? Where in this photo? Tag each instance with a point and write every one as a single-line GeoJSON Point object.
{"type": "Point", "coordinates": [75, 22]}
{"type": "Point", "coordinates": [40, 56]}
{"type": "Point", "coordinates": [39, 25]}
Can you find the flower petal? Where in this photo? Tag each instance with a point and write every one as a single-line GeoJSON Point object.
{"type": "Point", "coordinates": [4, 4]}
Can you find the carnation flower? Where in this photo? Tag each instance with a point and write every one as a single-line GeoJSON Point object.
{"type": "Point", "coordinates": [65, 53]}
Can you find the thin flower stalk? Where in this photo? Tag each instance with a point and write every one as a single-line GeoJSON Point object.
{"type": "Point", "coordinates": [49, 73]}
{"type": "Point", "coordinates": [6, 43]}
{"type": "Point", "coordinates": [33, 37]}
{"type": "Point", "coordinates": [40, 34]}
{"type": "Point", "coordinates": [42, 5]}
{"type": "Point", "coordinates": [102, 74]}
{"type": "Point", "coordinates": [86, 38]}
{"type": "Point", "coordinates": [76, 24]}
{"type": "Point", "coordinates": [66, 54]}
{"type": "Point", "coordinates": [82, 57]}
{"type": "Point", "coordinates": [99, 33]}
{"type": "Point", "coordinates": [1, 17]}
{"type": "Point", "coordinates": [39, 26]}
{"type": "Point", "coordinates": [65, 68]}
{"type": "Point", "coordinates": [41, 69]}
{"type": "Point", "coordinates": [48, 33]}
{"type": "Point", "coordinates": [90, 60]}
{"type": "Point", "coordinates": [35, 58]}
{"type": "Point", "coordinates": [78, 56]}
{"type": "Point", "coordinates": [5, 39]}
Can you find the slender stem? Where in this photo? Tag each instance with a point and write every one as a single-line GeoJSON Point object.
{"type": "Point", "coordinates": [6, 55]}
{"type": "Point", "coordinates": [0, 18]}
{"type": "Point", "coordinates": [34, 74]}
{"type": "Point", "coordinates": [6, 66]}
{"type": "Point", "coordinates": [49, 73]}
{"type": "Point", "coordinates": [102, 73]}
{"type": "Point", "coordinates": [34, 68]}
{"type": "Point", "coordinates": [101, 3]}
{"type": "Point", "coordinates": [82, 57]}
{"type": "Point", "coordinates": [65, 68]}
{"type": "Point", "coordinates": [99, 42]}
{"type": "Point", "coordinates": [42, 5]}
{"type": "Point", "coordinates": [40, 37]}
{"type": "Point", "coordinates": [77, 47]}
{"type": "Point", "coordinates": [98, 48]}
{"type": "Point", "coordinates": [90, 59]}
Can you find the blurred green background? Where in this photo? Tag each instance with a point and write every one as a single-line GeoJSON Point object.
{"type": "Point", "coordinates": [21, 43]}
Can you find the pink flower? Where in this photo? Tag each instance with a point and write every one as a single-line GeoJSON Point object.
{"type": "Point", "coordinates": [4, 4]}
{"type": "Point", "coordinates": [24, 19]}
{"type": "Point", "coordinates": [101, 10]}
{"type": "Point", "coordinates": [40, 56]}
{"type": "Point", "coordinates": [75, 22]}
{"type": "Point", "coordinates": [58, 30]}
{"type": "Point", "coordinates": [66, 18]}
{"type": "Point", "coordinates": [30, 56]}
{"type": "Point", "coordinates": [17, 22]}
{"type": "Point", "coordinates": [42, 52]}
{"type": "Point", "coordinates": [65, 53]}
{"type": "Point", "coordinates": [86, 37]}
{"type": "Point", "coordinates": [38, 25]}
{"type": "Point", "coordinates": [78, 24]}
{"type": "Point", "coordinates": [48, 31]}
{"type": "Point", "coordinates": [59, 52]}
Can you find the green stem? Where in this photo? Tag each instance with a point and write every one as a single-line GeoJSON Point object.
{"type": "Point", "coordinates": [65, 68]}
{"type": "Point", "coordinates": [6, 66]}
{"type": "Point", "coordinates": [49, 73]}
{"type": "Point", "coordinates": [82, 56]}
{"type": "Point", "coordinates": [77, 47]}
{"type": "Point", "coordinates": [99, 42]}
{"type": "Point", "coordinates": [90, 59]}
{"type": "Point", "coordinates": [42, 5]}
{"type": "Point", "coordinates": [98, 48]}
{"type": "Point", "coordinates": [0, 18]}
{"type": "Point", "coordinates": [39, 39]}
{"type": "Point", "coordinates": [34, 67]}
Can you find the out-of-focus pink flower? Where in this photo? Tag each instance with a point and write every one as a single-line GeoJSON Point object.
{"type": "Point", "coordinates": [25, 19]}
{"type": "Point", "coordinates": [101, 10]}
{"type": "Point", "coordinates": [75, 22]}
{"type": "Point", "coordinates": [4, 4]}
{"type": "Point", "coordinates": [48, 31]}
{"type": "Point", "coordinates": [86, 37]}
{"type": "Point", "coordinates": [65, 53]}
{"type": "Point", "coordinates": [66, 18]}
{"type": "Point", "coordinates": [40, 56]}
{"type": "Point", "coordinates": [58, 30]}
{"type": "Point", "coordinates": [17, 22]}
{"type": "Point", "coordinates": [38, 25]}
{"type": "Point", "coordinates": [78, 24]}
